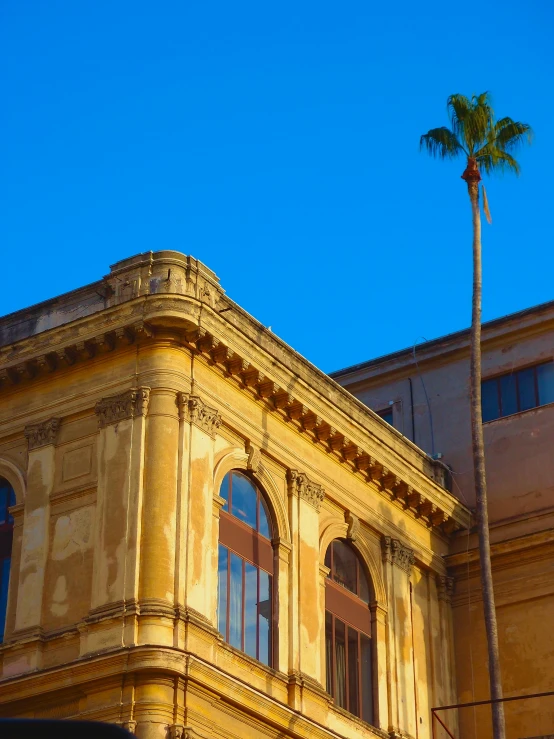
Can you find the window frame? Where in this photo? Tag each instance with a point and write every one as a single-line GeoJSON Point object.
{"type": "Point", "coordinates": [257, 550]}
{"type": "Point", "coordinates": [515, 373]}
{"type": "Point", "coordinates": [6, 552]}
{"type": "Point", "coordinates": [355, 614]}
{"type": "Point", "coordinates": [388, 411]}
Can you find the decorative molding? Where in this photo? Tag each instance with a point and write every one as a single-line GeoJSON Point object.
{"type": "Point", "coordinates": [103, 332]}
{"type": "Point", "coordinates": [397, 554]}
{"type": "Point", "coordinates": [353, 525]}
{"type": "Point", "coordinates": [312, 492]}
{"type": "Point", "coordinates": [192, 408]}
{"type": "Point", "coordinates": [130, 726]}
{"type": "Point", "coordinates": [176, 731]}
{"type": "Point", "coordinates": [445, 588]}
{"type": "Point", "coordinates": [116, 408]}
{"type": "Point", "coordinates": [42, 434]}
{"type": "Point", "coordinates": [254, 457]}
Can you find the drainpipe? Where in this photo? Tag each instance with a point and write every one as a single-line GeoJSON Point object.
{"type": "Point", "coordinates": [412, 408]}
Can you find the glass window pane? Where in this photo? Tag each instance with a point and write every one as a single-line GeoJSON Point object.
{"type": "Point", "coordinates": [224, 491]}
{"type": "Point", "coordinates": [222, 590]}
{"type": "Point", "coordinates": [235, 602]}
{"type": "Point", "coordinates": [244, 499]}
{"type": "Point", "coordinates": [489, 400]}
{"type": "Point", "coordinates": [340, 664]}
{"type": "Point", "coordinates": [364, 585]}
{"type": "Point", "coordinates": [3, 504]}
{"type": "Point", "coordinates": [264, 527]}
{"type": "Point", "coordinates": [329, 652]}
{"type": "Point", "coordinates": [386, 415]}
{"type": "Point", "coordinates": [353, 666]}
{"type": "Point", "coordinates": [344, 566]}
{"type": "Point", "coordinates": [367, 689]}
{"type": "Point", "coordinates": [4, 582]}
{"type": "Point", "coordinates": [250, 609]}
{"type": "Point", "coordinates": [508, 395]}
{"type": "Point", "coordinates": [526, 389]}
{"type": "Point", "coordinates": [545, 380]}
{"type": "Point", "coordinates": [264, 618]}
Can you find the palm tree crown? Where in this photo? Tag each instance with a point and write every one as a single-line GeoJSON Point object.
{"type": "Point", "coordinates": [475, 133]}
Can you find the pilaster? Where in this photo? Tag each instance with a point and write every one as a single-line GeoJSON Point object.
{"type": "Point", "coordinates": [121, 425]}
{"type": "Point", "coordinates": [445, 590]}
{"type": "Point", "coordinates": [202, 529]}
{"type": "Point", "coordinates": [379, 667]}
{"type": "Point", "coordinates": [41, 440]}
{"type": "Point", "coordinates": [306, 497]}
{"type": "Point", "coordinates": [398, 560]}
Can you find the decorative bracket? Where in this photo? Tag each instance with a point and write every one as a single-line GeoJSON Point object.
{"type": "Point", "coordinates": [254, 457]}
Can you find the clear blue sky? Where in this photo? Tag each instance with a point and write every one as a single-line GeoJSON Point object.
{"type": "Point", "coordinates": [278, 143]}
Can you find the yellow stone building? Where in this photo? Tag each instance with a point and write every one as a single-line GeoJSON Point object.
{"type": "Point", "coordinates": [211, 538]}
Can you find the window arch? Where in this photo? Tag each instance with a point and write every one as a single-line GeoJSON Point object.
{"type": "Point", "coordinates": [7, 499]}
{"type": "Point", "coordinates": [245, 570]}
{"type": "Point", "coordinates": [348, 650]}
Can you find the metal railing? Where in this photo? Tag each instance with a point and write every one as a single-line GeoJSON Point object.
{"type": "Point", "coordinates": [474, 704]}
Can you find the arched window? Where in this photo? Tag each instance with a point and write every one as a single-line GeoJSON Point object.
{"type": "Point", "coordinates": [7, 499]}
{"type": "Point", "coordinates": [348, 631]}
{"type": "Point", "coordinates": [245, 572]}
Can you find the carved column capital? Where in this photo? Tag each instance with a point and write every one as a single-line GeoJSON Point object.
{"type": "Point", "coordinates": [397, 554]}
{"type": "Point", "coordinates": [176, 731]}
{"type": "Point", "coordinates": [312, 492]}
{"type": "Point", "coordinates": [445, 588]}
{"type": "Point", "coordinates": [192, 408]}
{"type": "Point", "coordinates": [115, 408]}
{"type": "Point", "coordinates": [42, 434]}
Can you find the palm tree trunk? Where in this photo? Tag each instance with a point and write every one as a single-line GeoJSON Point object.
{"type": "Point", "coordinates": [472, 177]}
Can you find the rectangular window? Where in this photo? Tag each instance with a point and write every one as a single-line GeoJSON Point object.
{"type": "Point", "coordinates": [386, 415]}
{"type": "Point", "coordinates": [517, 391]}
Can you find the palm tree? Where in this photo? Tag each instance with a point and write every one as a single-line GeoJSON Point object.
{"type": "Point", "coordinates": [488, 145]}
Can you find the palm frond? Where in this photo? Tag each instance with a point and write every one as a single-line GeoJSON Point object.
{"type": "Point", "coordinates": [490, 158]}
{"type": "Point", "coordinates": [509, 134]}
{"type": "Point", "coordinates": [471, 119]}
{"type": "Point", "coordinates": [441, 143]}
{"type": "Point", "coordinates": [458, 107]}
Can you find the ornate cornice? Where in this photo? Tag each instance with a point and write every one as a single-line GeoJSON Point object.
{"type": "Point", "coordinates": [445, 587]}
{"type": "Point", "coordinates": [148, 292]}
{"type": "Point", "coordinates": [116, 408]}
{"type": "Point", "coordinates": [192, 408]}
{"type": "Point", "coordinates": [397, 553]}
{"type": "Point", "coordinates": [310, 491]}
{"type": "Point", "coordinates": [42, 434]}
